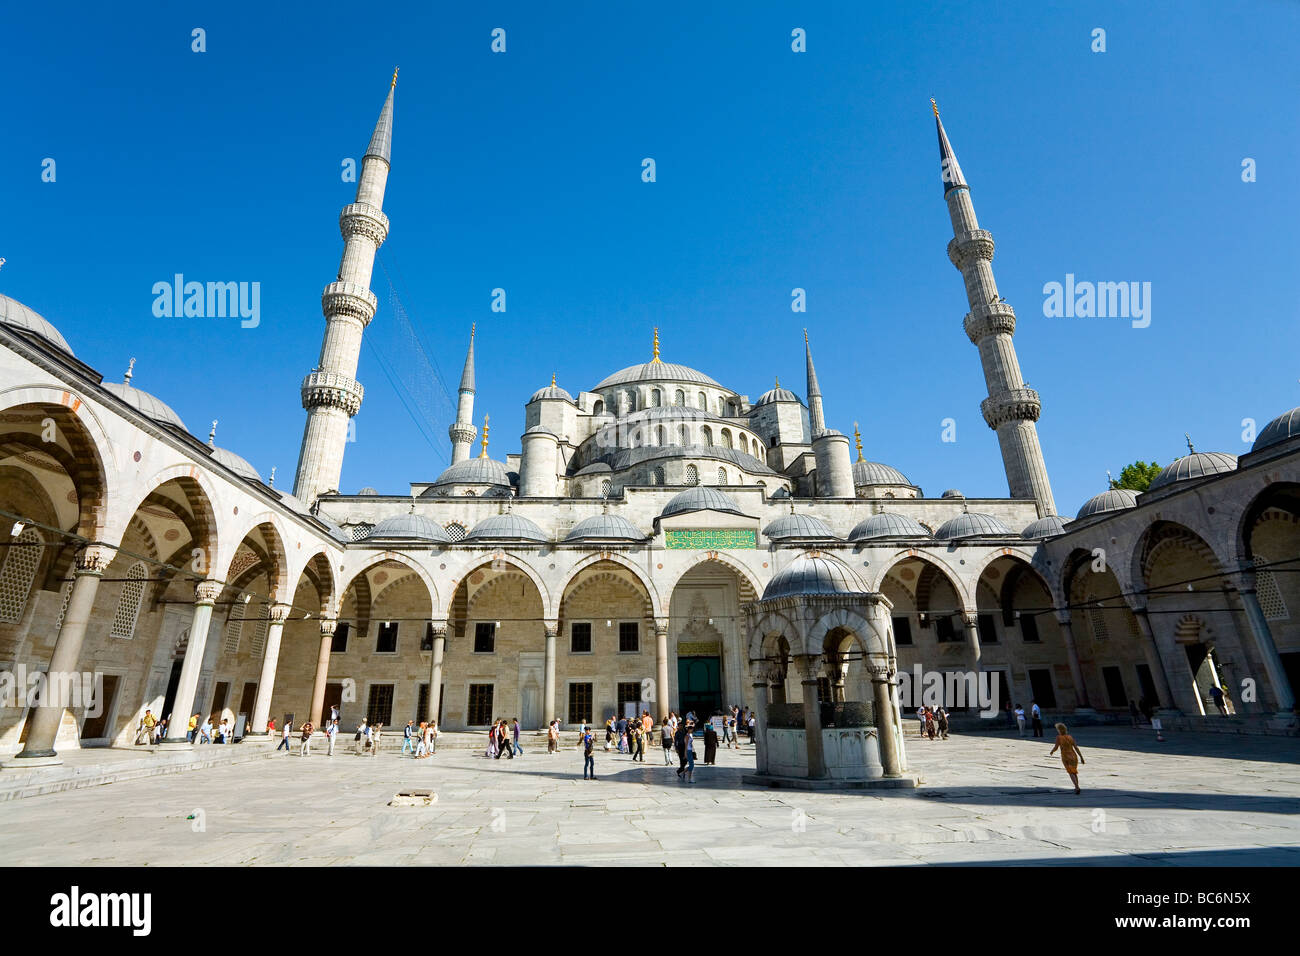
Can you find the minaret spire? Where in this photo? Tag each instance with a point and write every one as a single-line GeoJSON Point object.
{"type": "Point", "coordinates": [331, 393]}
{"type": "Point", "coordinates": [656, 355]}
{"type": "Point", "coordinates": [1011, 408]}
{"type": "Point", "coordinates": [816, 417]}
{"type": "Point", "coordinates": [462, 431]}
{"type": "Point", "coordinates": [483, 453]}
{"type": "Point", "coordinates": [857, 438]}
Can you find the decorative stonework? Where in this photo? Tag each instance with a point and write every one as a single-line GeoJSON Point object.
{"type": "Point", "coordinates": [997, 318]}
{"type": "Point", "coordinates": [279, 613]}
{"type": "Point", "coordinates": [350, 299]}
{"type": "Point", "coordinates": [206, 592]}
{"type": "Point", "coordinates": [966, 248]}
{"type": "Point", "coordinates": [332, 389]}
{"type": "Point", "coordinates": [1016, 404]}
{"type": "Point", "coordinates": [93, 559]}
{"type": "Point", "coordinates": [363, 219]}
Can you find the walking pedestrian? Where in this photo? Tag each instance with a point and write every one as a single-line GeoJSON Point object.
{"type": "Point", "coordinates": [514, 731]}
{"type": "Point", "coordinates": [588, 759]}
{"type": "Point", "coordinates": [1037, 715]}
{"type": "Point", "coordinates": [284, 738]}
{"type": "Point", "coordinates": [304, 747]}
{"type": "Point", "coordinates": [192, 732]}
{"type": "Point", "coordinates": [1216, 692]}
{"type": "Point", "coordinates": [690, 752]}
{"type": "Point", "coordinates": [1071, 755]}
{"type": "Point", "coordinates": [331, 734]}
{"type": "Point", "coordinates": [1020, 719]}
{"type": "Point", "coordinates": [552, 738]}
{"type": "Point", "coordinates": [710, 745]}
{"type": "Point", "coordinates": [943, 723]}
{"type": "Point", "coordinates": [363, 732]}
{"type": "Point", "coordinates": [408, 738]}
{"type": "Point", "coordinates": [920, 716]}
{"type": "Point", "coordinates": [666, 733]}
{"type": "Point", "coordinates": [374, 739]}
{"type": "Point", "coordinates": [433, 737]}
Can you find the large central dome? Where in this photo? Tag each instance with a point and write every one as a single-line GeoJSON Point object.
{"type": "Point", "coordinates": [656, 371]}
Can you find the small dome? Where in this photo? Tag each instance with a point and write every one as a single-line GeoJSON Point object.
{"type": "Point", "coordinates": [1286, 425]}
{"type": "Point", "coordinates": [888, 525]}
{"type": "Point", "coordinates": [798, 526]}
{"type": "Point", "coordinates": [14, 313]}
{"type": "Point", "coordinates": [777, 394]}
{"type": "Point", "coordinates": [876, 473]}
{"type": "Point", "coordinates": [952, 493]}
{"type": "Point", "coordinates": [367, 491]}
{"type": "Point", "coordinates": [605, 526]}
{"type": "Point", "coordinates": [144, 403]}
{"type": "Point", "coordinates": [411, 528]}
{"type": "Point", "coordinates": [475, 471]}
{"type": "Point", "coordinates": [700, 499]}
{"type": "Point", "coordinates": [1117, 499]}
{"type": "Point", "coordinates": [971, 525]}
{"type": "Point", "coordinates": [1199, 464]}
{"type": "Point", "coordinates": [656, 371]}
{"type": "Point", "coordinates": [506, 527]}
{"type": "Point", "coordinates": [1048, 526]}
{"type": "Point", "coordinates": [236, 464]}
{"type": "Point", "coordinates": [808, 574]}
{"type": "Point", "coordinates": [550, 392]}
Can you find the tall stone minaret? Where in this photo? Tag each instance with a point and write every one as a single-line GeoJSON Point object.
{"type": "Point", "coordinates": [834, 477]}
{"type": "Point", "coordinates": [331, 394]}
{"type": "Point", "coordinates": [1011, 409]}
{"type": "Point", "coordinates": [816, 416]}
{"type": "Point", "coordinates": [462, 430]}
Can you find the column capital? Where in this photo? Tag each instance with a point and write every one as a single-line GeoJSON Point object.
{"type": "Point", "coordinates": [661, 626]}
{"type": "Point", "coordinates": [207, 592]}
{"type": "Point", "coordinates": [92, 559]}
{"type": "Point", "coordinates": [970, 619]}
{"type": "Point", "coordinates": [279, 613]}
{"type": "Point", "coordinates": [552, 628]}
{"type": "Point", "coordinates": [439, 629]}
{"type": "Point", "coordinates": [327, 626]}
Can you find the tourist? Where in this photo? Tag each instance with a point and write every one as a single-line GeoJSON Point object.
{"type": "Point", "coordinates": [552, 738]}
{"type": "Point", "coordinates": [1216, 693]}
{"type": "Point", "coordinates": [363, 733]}
{"type": "Point", "coordinates": [223, 732]}
{"type": "Point", "coordinates": [642, 735]}
{"type": "Point", "coordinates": [374, 739]}
{"type": "Point", "coordinates": [433, 737]}
{"type": "Point", "coordinates": [609, 732]}
{"type": "Point", "coordinates": [503, 741]}
{"type": "Point", "coordinates": [1036, 713]}
{"type": "Point", "coordinates": [1071, 755]}
{"type": "Point", "coordinates": [408, 738]}
{"type": "Point", "coordinates": [920, 716]}
{"type": "Point", "coordinates": [205, 731]}
{"type": "Point", "coordinates": [943, 723]}
{"type": "Point", "coordinates": [284, 738]}
{"type": "Point", "coordinates": [192, 733]}
{"type": "Point", "coordinates": [647, 724]}
{"type": "Point", "coordinates": [334, 712]}
{"type": "Point", "coordinates": [160, 731]}
{"type": "Point", "coordinates": [331, 734]}
{"type": "Point", "coordinates": [666, 740]}
{"type": "Point", "coordinates": [514, 732]}
{"type": "Point", "coordinates": [588, 759]}
{"type": "Point", "coordinates": [270, 726]}
{"type": "Point", "coordinates": [1020, 719]}
{"type": "Point", "coordinates": [929, 723]}
{"type": "Point", "coordinates": [620, 729]}
{"type": "Point", "coordinates": [304, 747]}
{"type": "Point", "coordinates": [710, 745]}
{"type": "Point", "coordinates": [679, 742]}
{"type": "Point", "coordinates": [689, 776]}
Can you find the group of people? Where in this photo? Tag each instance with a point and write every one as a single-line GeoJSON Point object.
{"type": "Point", "coordinates": [204, 732]}
{"type": "Point", "coordinates": [421, 741]}
{"type": "Point", "coordinates": [503, 739]}
{"type": "Point", "coordinates": [1035, 714]}
{"type": "Point", "coordinates": [934, 722]}
{"type": "Point", "coordinates": [151, 729]}
{"type": "Point", "coordinates": [630, 734]}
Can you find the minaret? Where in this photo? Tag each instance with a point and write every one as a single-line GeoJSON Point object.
{"type": "Point", "coordinates": [331, 394]}
{"type": "Point", "coordinates": [462, 431]}
{"type": "Point", "coordinates": [816, 417]}
{"type": "Point", "coordinates": [830, 448]}
{"type": "Point", "coordinates": [1011, 409]}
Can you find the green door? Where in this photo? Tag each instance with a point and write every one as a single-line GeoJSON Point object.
{"type": "Point", "coordinates": [699, 686]}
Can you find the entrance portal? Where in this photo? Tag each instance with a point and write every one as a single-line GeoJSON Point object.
{"type": "Point", "coordinates": [699, 683]}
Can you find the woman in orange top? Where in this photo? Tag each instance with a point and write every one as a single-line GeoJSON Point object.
{"type": "Point", "coordinates": [1071, 755]}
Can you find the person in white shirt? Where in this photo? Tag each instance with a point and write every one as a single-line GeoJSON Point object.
{"type": "Point", "coordinates": [363, 734]}
{"type": "Point", "coordinates": [1020, 719]}
{"type": "Point", "coordinates": [331, 732]}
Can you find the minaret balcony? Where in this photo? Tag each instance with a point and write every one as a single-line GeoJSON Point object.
{"type": "Point", "coordinates": [994, 318]}
{"type": "Point", "coordinates": [1011, 405]}
{"type": "Point", "coordinates": [332, 389]}
{"type": "Point", "coordinates": [363, 219]}
{"type": "Point", "coordinates": [349, 298]}
{"type": "Point", "coordinates": [969, 246]}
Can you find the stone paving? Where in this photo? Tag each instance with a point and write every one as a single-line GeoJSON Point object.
{"type": "Point", "coordinates": [995, 798]}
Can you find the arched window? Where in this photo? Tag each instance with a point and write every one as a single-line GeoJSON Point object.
{"type": "Point", "coordinates": [722, 476]}
{"type": "Point", "coordinates": [22, 558]}
{"type": "Point", "coordinates": [361, 530]}
{"type": "Point", "coordinates": [679, 398]}
{"type": "Point", "coordinates": [692, 475]}
{"type": "Point", "coordinates": [763, 485]}
{"type": "Point", "coordinates": [257, 644]}
{"type": "Point", "coordinates": [707, 432]}
{"type": "Point", "coordinates": [605, 487]}
{"type": "Point", "coordinates": [683, 435]}
{"type": "Point", "coordinates": [753, 444]}
{"type": "Point", "coordinates": [455, 530]}
{"type": "Point", "coordinates": [128, 604]}
{"type": "Point", "coordinates": [726, 438]}
{"type": "Point", "coordinates": [470, 494]}
{"type": "Point", "coordinates": [630, 397]}
{"type": "Point", "coordinates": [659, 477]}
{"type": "Point", "coordinates": [656, 398]}
{"type": "Point", "coordinates": [598, 408]}
{"type": "Point", "coordinates": [702, 400]}
{"type": "Point", "coordinates": [234, 626]}
{"type": "Point", "coordinates": [661, 434]}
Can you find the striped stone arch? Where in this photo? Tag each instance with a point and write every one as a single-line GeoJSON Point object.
{"type": "Point", "coordinates": [201, 521]}
{"type": "Point", "coordinates": [276, 556]}
{"type": "Point", "coordinates": [1191, 628]}
{"type": "Point", "coordinates": [363, 561]}
{"type": "Point", "coordinates": [932, 567]}
{"type": "Point", "coordinates": [1163, 535]}
{"type": "Point", "coordinates": [771, 624]}
{"type": "Point", "coordinates": [549, 609]}
{"type": "Point", "coordinates": [1273, 503]}
{"type": "Point", "coordinates": [574, 587]}
{"type": "Point", "coordinates": [746, 575]}
{"type": "Point", "coordinates": [868, 635]}
{"type": "Point", "coordinates": [497, 583]}
{"type": "Point", "coordinates": [624, 562]}
{"type": "Point", "coordinates": [320, 572]}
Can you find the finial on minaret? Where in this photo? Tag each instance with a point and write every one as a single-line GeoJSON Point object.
{"type": "Point", "coordinates": [271, 483]}
{"type": "Point", "coordinates": [552, 380]}
{"type": "Point", "coordinates": [130, 370]}
{"type": "Point", "coordinates": [933, 105]}
{"type": "Point", "coordinates": [805, 336]}
{"type": "Point", "coordinates": [949, 170]}
{"type": "Point", "coordinates": [656, 356]}
{"type": "Point", "coordinates": [393, 85]}
{"type": "Point", "coordinates": [777, 380]}
{"type": "Point", "coordinates": [212, 435]}
{"type": "Point", "coordinates": [857, 437]}
{"type": "Point", "coordinates": [1190, 449]}
{"type": "Point", "coordinates": [483, 453]}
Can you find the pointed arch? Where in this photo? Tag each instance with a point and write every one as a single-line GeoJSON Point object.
{"type": "Point", "coordinates": [656, 605]}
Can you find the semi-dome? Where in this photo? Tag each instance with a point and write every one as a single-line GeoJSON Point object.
{"type": "Point", "coordinates": [886, 524]}
{"type": "Point", "coordinates": [613, 527]}
{"type": "Point", "coordinates": [877, 473]}
{"type": "Point", "coordinates": [19, 316]}
{"type": "Point", "coordinates": [1116, 499]}
{"type": "Point", "coordinates": [550, 392]}
{"type": "Point", "coordinates": [236, 464]}
{"type": "Point", "coordinates": [1048, 526]}
{"type": "Point", "coordinates": [475, 471]}
{"type": "Point", "coordinates": [813, 574]}
{"type": "Point", "coordinates": [971, 525]}
{"type": "Point", "coordinates": [798, 526]}
{"type": "Point", "coordinates": [777, 394]}
{"type": "Point", "coordinates": [655, 371]}
{"type": "Point", "coordinates": [1286, 425]}
{"type": "Point", "coordinates": [699, 499]}
{"type": "Point", "coordinates": [506, 527]}
{"type": "Point", "coordinates": [410, 528]}
{"type": "Point", "coordinates": [1199, 464]}
{"type": "Point", "coordinates": [147, 405]}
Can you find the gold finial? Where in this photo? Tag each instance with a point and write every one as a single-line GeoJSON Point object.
{"type": "Point", "coordinates": [778, 382]}
{"type": "Point", "coordinates": [935, 107]}
{"type": "Point", "coordinates": [805, 336]}
{"type": "Point", "coordinates": [552, 380]}
{"type": "Point", "coordinates": [394, 84]}
{"type": "Point", "coordinates": [857, 437]}
{"type": "Point", "coordinates": [472, 327]}
{"type": "Point", "coordinates": [656, 357]}
{"type": "Point", "coordinates": [130, 370]}
{"type": "Point", "coordinates": [1190, 449]}
{"type": "Point", "coordinates": [483, 453]}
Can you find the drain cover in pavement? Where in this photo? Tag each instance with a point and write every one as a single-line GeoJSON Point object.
{"type": "Point", "coordinates": [413, 798]}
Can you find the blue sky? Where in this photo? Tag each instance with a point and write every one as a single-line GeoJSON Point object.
{"type": "Point", "coordinates": [775, 170]}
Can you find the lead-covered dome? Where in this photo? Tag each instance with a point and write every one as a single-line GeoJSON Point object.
{"type": "Point", "coordinates": [1199, 464]}
{"type": "Point", "coordinates": [506, 527]}
{"type": "Point", "coordinates": [886, 524]}
{"type": "Point", "coordinates": [605, 527]}
{"type": "Point", "coordinates": [813, 574]}
{"type": "Point", "coordinates": [778, 394]}
{"type": "Point", "coordinates": [147, 405]}
{"type": "Point", "coordinates": [971, 525]}
{"type": "Point", "coordinates": [410, 528]}
{"type": "Point", "coordinates": [550, 392]}
{"type": "Point", "coordinates": [1286, 425]}
{"type": "Point", "coordinates": [877, 473]}
{"type": "Point", "coordinates": [236, 464]}
{"type": "Point", "coordinates": [798, 526]}
{"type": "Point", "coordinates": [1048, 526]}
{"type": "Point", "coordinates": [475, 471]}
{"type": "Point", "coordinates": [656, 371]}
{"type": "Point", "coordinates": [14, 313]}
{"type": "Point", "coordinates": [1116, 499]}
{"type": "Point", "coordinates": [699, 499]}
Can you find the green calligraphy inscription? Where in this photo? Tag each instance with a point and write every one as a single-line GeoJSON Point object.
{"type": "Point", "coordinates": [712, 539]}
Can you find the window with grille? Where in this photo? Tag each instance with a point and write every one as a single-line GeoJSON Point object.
{"type": "Point", "coordinates": [629, 692]}
{"type": "Point", "coordinates": [692, 475]}
{"type": "Point", "coordinates": [426, 642]}
{"type": "Point", "coordinates": [657, 476]}
{"type": "Point", "coordinates": [902, 630]}
{"type": "Point", "coordinates": [379, 706]}
{"type": "Point", "coordinates": [656, 398]}
{"type": "Point", "coordinates": [580, 637]}
{"type": "Point", "coordinates": [824, 689]}
{"type": "Point", "coordinates": [707, 434]}
{"type": "Point", "coordinates": [22, 558]}
{"type": "Point", "coordinates": [1266, 589]}
{"type": "Point", "coordinates": [340, 643]}
{"type": "Point", "coordinates": [722, 476]}
{"type": "Point", "coordinates": [1097, 623]}
{"type": "Point", "coordinates": [726, 438]}
{"type": "Point", "coordinates": [629, 637]}
{"type": "Point", "coordinates": [1029, 628]}
{"type": "Point", "coordinates": [580, 703]}
{"type": "Point", "coordinates": [234, 627]}
{"type": "Point", "coordinates": [485, 637]}
{"type": "Point", "coordinates": [679, 398]}
{"type": "Point", "coordinates": [361, 530]}
{"type": "Point", "coordinates": [128, 604]}
{"type": "Point", "coordinates": [702, 400]}
{"type": "Point", "coordinates": [386, 640]}
{"type": "Point", "coordinates": [683, 435]}
{"type": "Point", "coordinates": [63, 607]}
{"type": "Point", "coordinates": [661, 436]}
{"type": "Point", "coordinates": [258, 642]}
{"type": "Point", "coordinates": [480, 705]}
{"type": "Point", "coordinates": [988, 629]}
{"type": "Point", "coordinates": [455, 530]}
{"type": "Point", "coordinates": [605, 487]}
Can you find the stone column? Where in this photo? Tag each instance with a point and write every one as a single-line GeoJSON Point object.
{"type": "Point", "coordinates": [548, 671]}
{"type": "Point", "coordinates": [1076, 669]}
{"type": "Point", "coordinates": [812, 715]}
{"type": "Point", "coordinates": [1155, 661]}
{"type": "Point", "coordinates": [661, 668]}
{"type": "Point", "coordinates": [886, 729]}
{"type": "Point", "coordinates": [1259, 629]}
{"type": "Point", "coordinates": [278, 613]}
{"type": "Point", "coordinates": [205, 596]}
{"type": "Point", "coordinates": [327, 627]}
{"type": "Point", "coordinates": [760, 719]}
{"type": "Point", "coordinates": [971, 623]}
{"type": "Point", "coordinates": [435, 669]}
{"type": "Point", "coordinates": [43, 722]}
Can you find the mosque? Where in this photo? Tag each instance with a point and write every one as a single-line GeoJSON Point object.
{"type": "Point", "coordinates": [659, 541]}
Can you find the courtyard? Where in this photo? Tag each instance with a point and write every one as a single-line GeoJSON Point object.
{"type": "Point", "coordinates": [996, 798]}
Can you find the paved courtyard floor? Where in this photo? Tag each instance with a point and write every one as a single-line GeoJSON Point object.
{"type": "Point", "coordinates": [1196, 799]}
